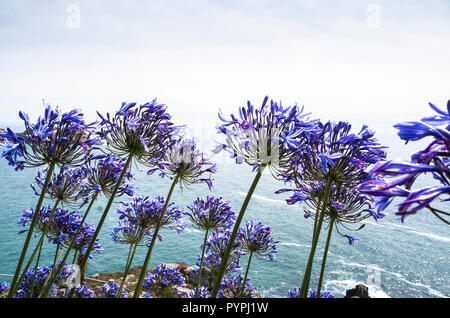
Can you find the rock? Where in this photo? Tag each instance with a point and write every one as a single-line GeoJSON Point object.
{"type": "Point", "coordinates": [360, 291]}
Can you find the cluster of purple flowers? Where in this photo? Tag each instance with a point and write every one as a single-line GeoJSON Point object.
{"type": "Point", "coordinates": [311, 294]}
{"type": "Point", "coordinates": [141, 216]}
{"type": "Point", "coordinates": [164, 281]}
{"type": "Point", "coordinates": [265, 136]}
{"type": "Point", "coordinates": [396, 178]}
{"type": "Point", "coordinates": [232, 287]}
{"type": "Point", "coordinates": [216, 245]}
{"type": "Point", "coordinates": [35, 280]}
{"type": "Point", "coordinates": [340, 177]}
{"type": "Point", "coordinates": [211, 214]}
{"type": "Point", "coordinates": [186, 163]}
{"type": "Point", "coordinates": [62, 228]}
{"type": "Point", "coordinates": [63, 139]}
{"type": "Point", "coordinates": [109, 290]}
{"type": "Point", "coordinates": [101, 174]}
{"type": "Point", "coordinates": [143, 131]}
{"type": "Point", "coordinates": [256, 238]}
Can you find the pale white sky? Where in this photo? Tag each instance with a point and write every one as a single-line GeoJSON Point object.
{"type": "Point", "coordinates": [374, 62]}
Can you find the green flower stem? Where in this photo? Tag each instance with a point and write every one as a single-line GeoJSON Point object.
{"type": "Point", "coordinates": [201, 263]}
{"type": "Point", "coordinates": [127, 268]}
{"type": "Point", "coordinates": [324, 260]}
{"type": "Point", "coordinates": [306, 278]}
{"type": "Point", "coordinates": [40, 242]}
{"type": "Point", "coordinates": [103, 218]}
{"type": "Point", "coordinates": [30, 231]}
{"type": "Point", "coordinates": [35, 269]}
{"type": "Point", "coordinates": [246, 273]}
{"type": "Point", "coordinates": [57, 257]}
{"type": "Point", "coordinates": [69, 249]}
{"type": "Point", "coordinates": [137, 291]}
{"type": "Point", "coordinates": [224, 261]}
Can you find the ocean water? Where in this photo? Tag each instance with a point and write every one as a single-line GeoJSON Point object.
{"type": "Point", "coordinates": [394, 259]}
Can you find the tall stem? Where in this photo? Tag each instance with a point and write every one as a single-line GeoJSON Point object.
{"type": "Point", "coordinates": [71, 245]}
{"type": "Point", "coordinates": [201, 263]}
{"type": "Point", "coordinates": [103, 218]}
{"type": "Point", "coordinates": [40, 242]}
{"type": "Point", "coordinates": [246, 273]}
{"type": "Point", "coordinates": [127, 268]}
{"type": "Point", "coordinates": [324, 260]}
{"type": "Point", "coordinates": [137, 291]}
{"type": "Point", "coordinates": [224, 261]}
{"type": "Point", "coordinates": [35, 269]}
{"type": "Point", "coordinates": [306, 278]}
{"type": "Point", "coordinates": [30, 231]}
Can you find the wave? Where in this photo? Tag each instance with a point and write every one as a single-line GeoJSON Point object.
{"type": "Point", "coordinates": [294, 244]}
{"type": "Point", "coordinates": [341, 286]}
{"type": "Point", "coordinates": [411, 230]}
{"type": "Point", "coordinates": [258, 197]}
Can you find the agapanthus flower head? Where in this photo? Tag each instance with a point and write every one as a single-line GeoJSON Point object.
{"type": "Point", "coordinates": [100, 175]}
{"type": "Point", "coordinates": [265, 136]}
{"type": "Point", "coordinates": [346, 207]}
{"type": "Point", "coordinates": [84, 291]}
{"type": "Point", "coordinates": [140, 217]}
{"type": "Point", "coordinates": [256, 238]}
{"type": "Point", "coordinates": [232, 287]}
{"type": "Point", "coordinates": [392, 179]}
{"type": "Point", "coordinates": [34, 283]}
{"type": "Point", "coordinates": [335, 153]}
{"type": "Point", "coordinates": [144, 131]}
{"type": "Point", "coordinates": [63, 186]}
{"type": "Point", "coordinates": [164, 281]}
{"type": "Point", "coordinates": [83, 240]}
{"type": "Point", "coordinates": [216, 245]}
{"type": "Point", "coordinates": [203, 292]}
{"type": "Point", "coordinates": [63, 227]}
{"type": "Point", "coordinates": [63, 139]}
{"type": "Point", "coordinates": [110, 290]}
{"type": "Point", "coordinates": [185, 161]}
{"type": "Point", "coordinates": [437, 126]}
{"type": "Point", "coordinates": [213, 214]}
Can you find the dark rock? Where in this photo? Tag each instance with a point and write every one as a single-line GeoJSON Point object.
{"type": "Point", "coordinates": [360, 291]}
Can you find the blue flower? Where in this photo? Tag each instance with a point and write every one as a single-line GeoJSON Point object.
{"type": "Point", "coordinates": [164, 281]}
{"type": "Point", "coordinates": [211, 214]}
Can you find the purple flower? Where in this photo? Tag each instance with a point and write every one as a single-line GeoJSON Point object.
{"type": "Point", "coordinates": [211, 214]}
{"type": "Point", "coordinates": [34, 282]}
{"type": "Point", "coordinates": [144, 131]}
{"type": "Point", "coordinates": [185, 161]}
{"type": "Point", "coordinates": [110, 290]}
{"type": "Point", "coordinates": [63, 186]}
{"type": "Point", "coordinates": [100, 175]}
{"type": "Point", "coordinates": [231, 287]}
{"type": "Point", "coordinates": [141, 216]}
{"type": "Point", "coordinates": [203, 292]}
{"type": "Point", "coordinates": [164, 281]}
{"type": "Point", "coordinates": [395, 178]}
{"type": "Point", "coordinates": [256, 238]}
{"type": "Point", "coordinates": [215, 250]}
{"type": "Point", "coordinates": [64, 139]}
{"type": "Point", "coordinates": [351, 239]}
{"type": "Point", "coordinates": [268, 135]}
{"type": "Point", "coordinates": [311, 294]}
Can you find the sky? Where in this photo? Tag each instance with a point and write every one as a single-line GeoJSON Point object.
{"type": "Point", "coordinates": [368, 62]}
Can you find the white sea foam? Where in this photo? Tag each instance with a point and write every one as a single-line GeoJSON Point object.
{"type": "Point", "coordinates": [191, 230]}
{"type": "Point", "coordinates": [432, 236]}
{"type": "Point", "coordinates": [294, 244]}
{"type": "Point", "coordinates": [261, 198]}
{"type": "Point", "coordinates": [341, 285]}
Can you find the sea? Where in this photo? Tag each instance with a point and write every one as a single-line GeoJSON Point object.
{"type": "Point", "coordinates": [393, 258]}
